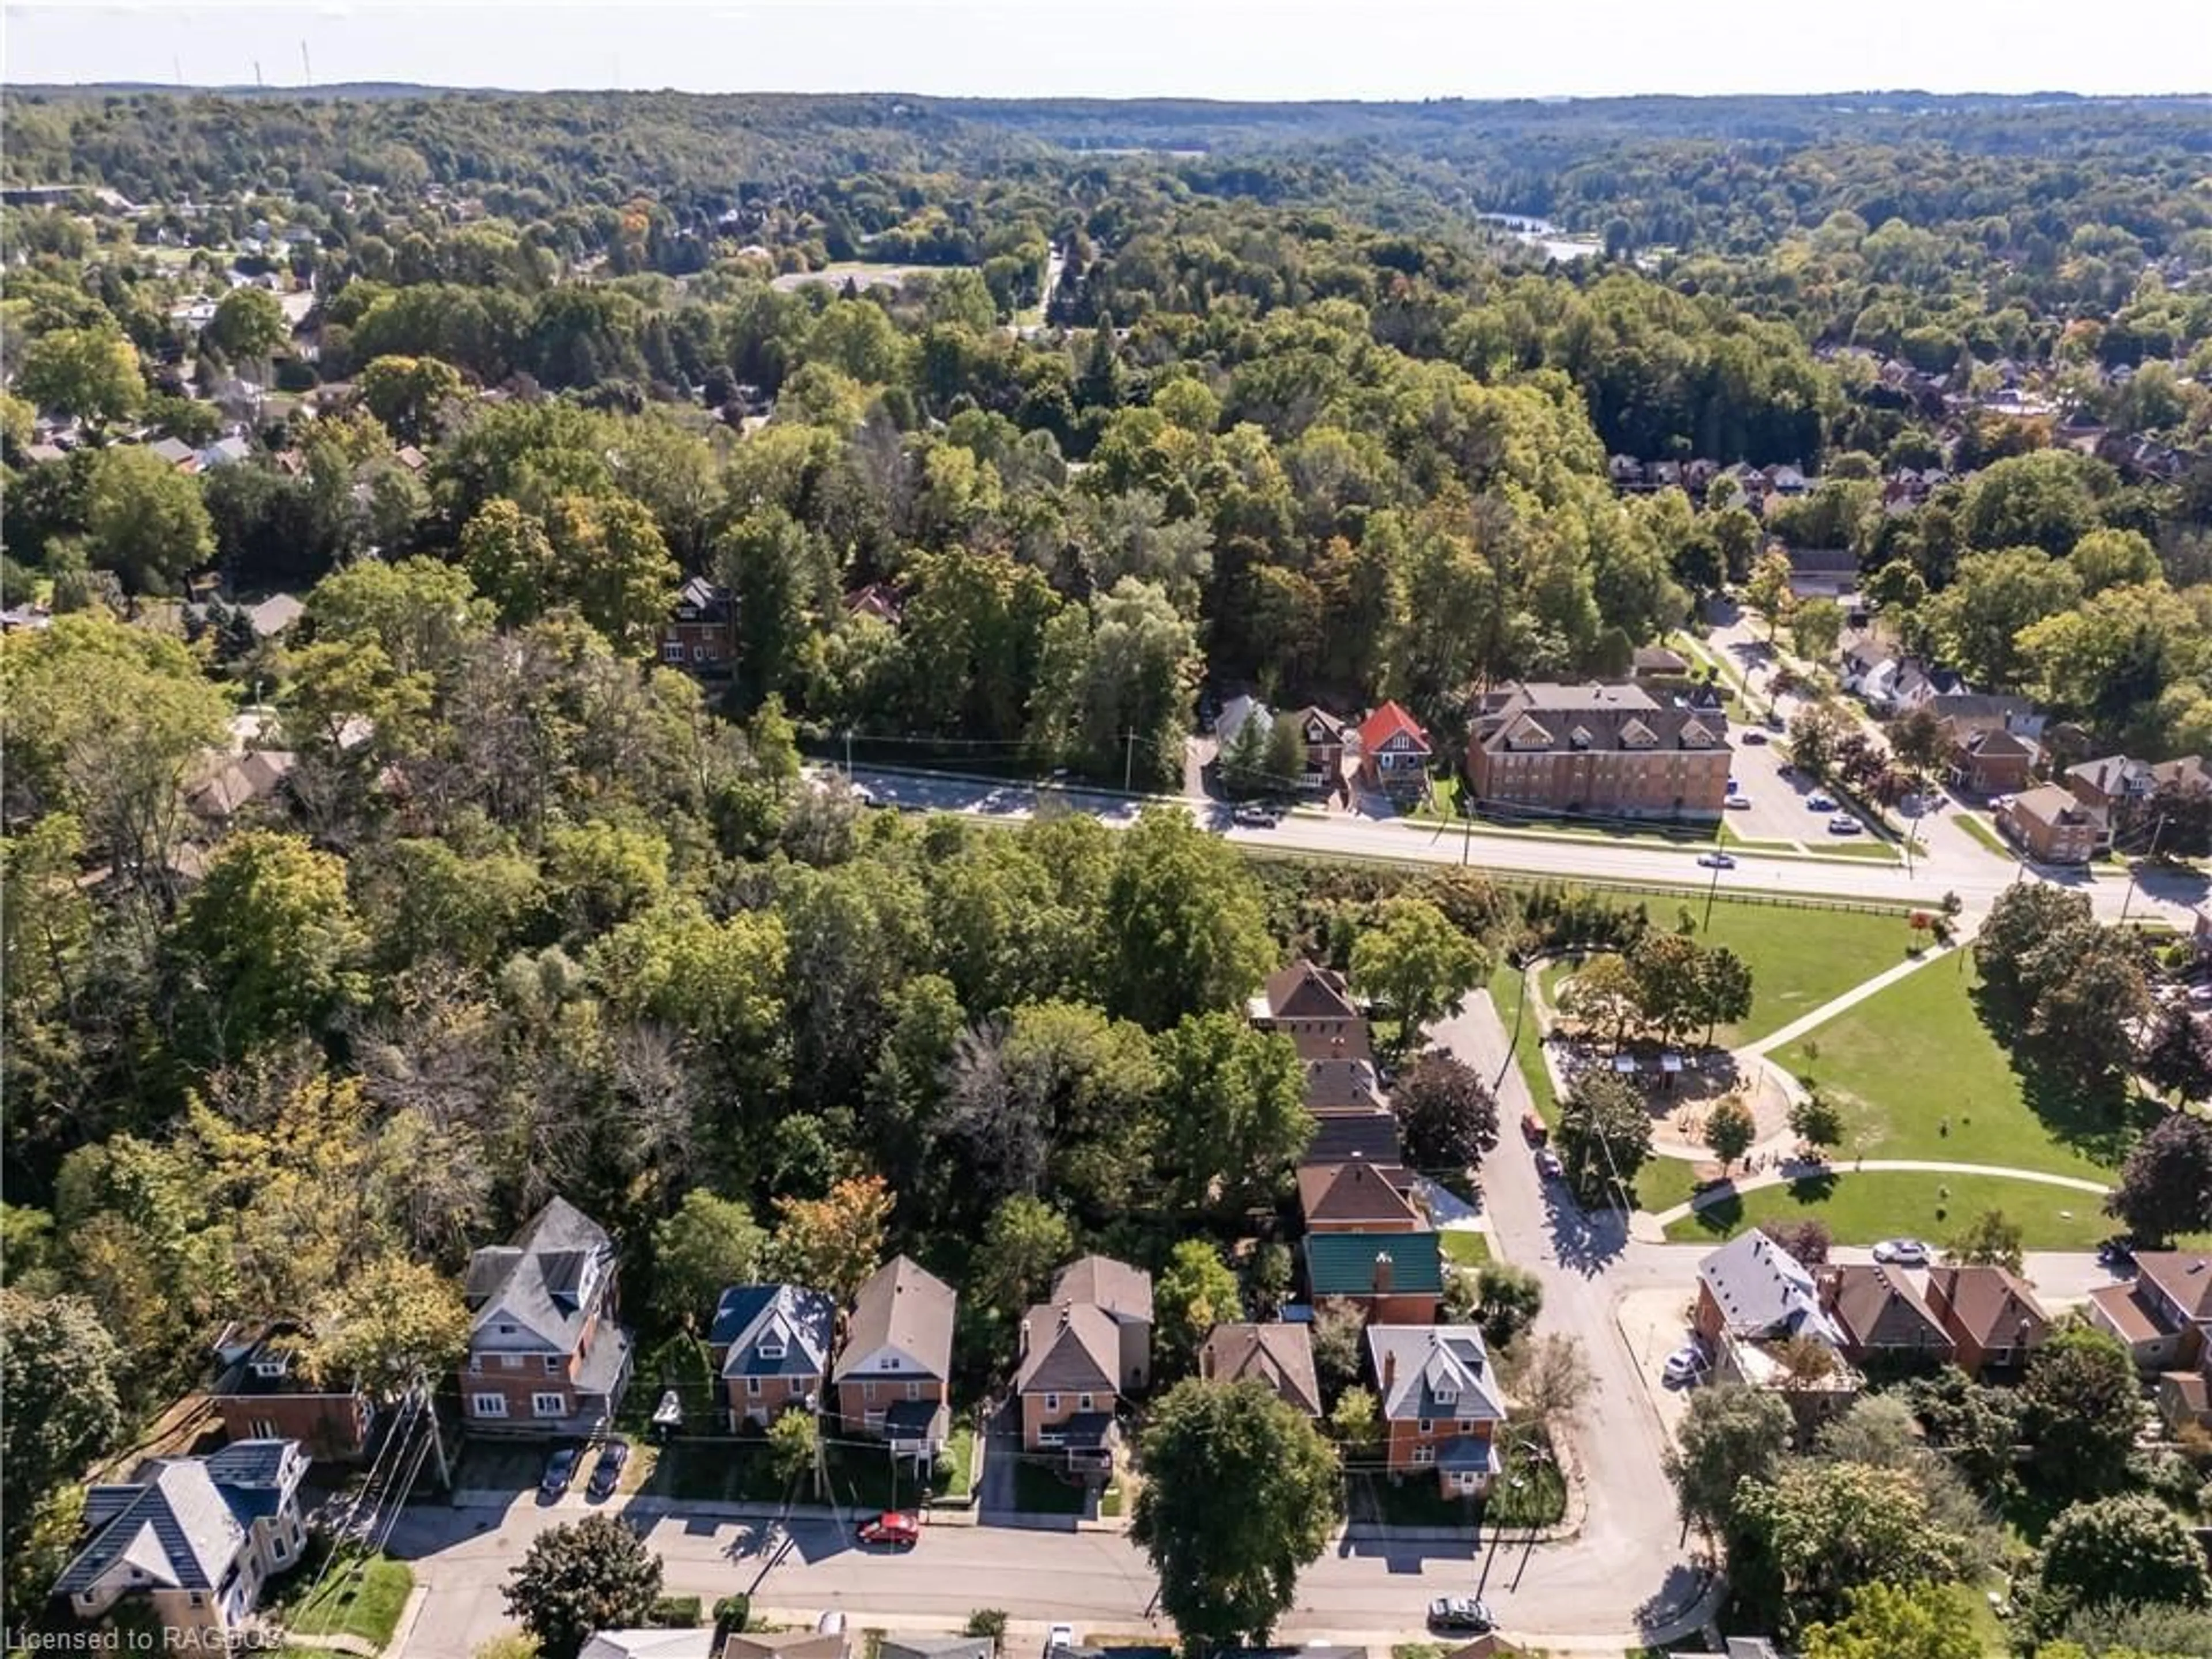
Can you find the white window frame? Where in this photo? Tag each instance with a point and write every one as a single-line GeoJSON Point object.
{"type": "Point", "coordinates": [1427, 1425]}
{"type": "Point", "coordinates": [1424, 1457]}
{"type": "Point", "coordinates": [538, 1402]}
{"type": "Point", "coordinates": [1052, 1402]}
{"type": "Point", "coordinates": [263, 1428]}
{"type": "Point", "coordinates": [1083, 1402]}
{"type": "Point", "coordinates": [512, 1361]}
{"type": "Point", "coordinates": [753, 1388]}
{"type": "Point", "coordinates": [671, 651]}
{"type": "Point", "coordinates": [488, 1405]}
{"type": "Point", "coordinates": [552, 1364]}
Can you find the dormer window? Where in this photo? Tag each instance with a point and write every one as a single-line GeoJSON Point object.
{"type": "Point", "coordinates": [269, 1368]}
{"type": "Point", "coordinates": [771, 1346]}
{"type": "Point", "coordinates": [1579, 737]}
{"type": "Point", "coordinates": [1447, 1396]}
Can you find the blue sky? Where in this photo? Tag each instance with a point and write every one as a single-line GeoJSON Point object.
{"type": "Point", "coordinates": [1205, 48]}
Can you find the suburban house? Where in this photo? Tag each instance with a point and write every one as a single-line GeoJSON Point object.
{"type": "Point", "coordinates": [1992, 1318]}
{"type": "Point", "coordinates": [264, 1390]}
{"type": "Point", "coordinates": [176, 453]}
{"type": "Point", "coordinates": [2052, 826]}
{"type": "Point", "coordinates": [2165, 1315]}
{"type": "Point", "coordinates": [893, 1374]}
{"type": "Point", "coordinates": [1657, 662]}
{"type": "Point", "coordinates": [1988, 759]}
{"type": "Point", "coordinates": [1369, 1134]}
{"type": "Point", "coordinates": [1826, 573]}
{"type": "Point", "coordinates": [1355, 1197]}
{"type": "Point", "coordinates": [770, 1345]}
{"type": "Point", "coordinates": [1279, 1355]}
{"type": "Point", "coordinates": [1068, 1383]}
{"type": "Point", "coordinates": [224, 785]}
{"type": "Point", "coordinates": [1240, 714]}
{"type": "Point", "coordinates": [937, 1647]}
{"type": "Point", "coordinates": [1394, 753]}
{"type": "Point", "coordinates": [2113, 784]}
{"type": "Point", "coordinates": [1439, 1402]}
{"type": "Point", "coordinates": [1752, 1296]}
{"type": "Point", "coordinates": [700, 634]}
{"type": "Point", "coordinates": [1323, 734]}
{"type": "Point", "coordinates": [196, 1537]}
{"type": "Point", "coordinates": [1880, 1314]}
{"type": "Point", "coordinates": [876, 600]}
{"type": "Point", "coordinates": [1313, 1006]}
{"type": "Point", "coordinates": [1343, 1085]}
{"type": "Point", "coordinates": [697, 1643]}
{"type": "Point", "coordinates": [1393, 1278]}
{"type": "Point", "coordinates": [1609, 750]}
{"type": "Point", "coordinates": [786, 1644]}
{"type": "Point", "coordinates": [1125, 1295]}
{"type": "Point", "coordinates": [545, 1354]}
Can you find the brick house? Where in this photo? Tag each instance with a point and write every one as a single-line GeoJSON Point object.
{"type": "Point", "coordinates": [1394, 753]}
{"type": "Point", "coordinates": [264, 1390]}
{"type": "Point", "coordinates": [1393, 1278]}
{"type": "Point", "coordinates": [2113, 784]}
{"type": "Point", "coordinates": [1323, 734]}
{"type": "Point", "coordinates": [1992, 1316]}
{"type": "Point", "coordinates": [1439, 1402]}
{"type": "Point", "coordinates": [546, 1355]}
{"type": "Point", "coordinates": [2052, 826]}
{"type": "Point", "coordinates": [770, 1345]}
{"type": "Point", "coordinates": [1343, 1085]}
{"type": "Point", "coordinates": [893, 1374]}
{"type": "Point", "coordinates": [1753, 1298]}
{"type": "Point", "coordinates": [1367, 1133]}
{"type": "Point", "coordinates": [1068, 1386]}
{"type": "Point", "coordinates": [1312, 1005]}
{"type": "Point", "coordinates": [1988, 760]}
{"type": "Point", "coordinates": [194, 1537]}
{"type": "Point", "coordinates": [1125, 1295]}
{"type": "Point", "coordinates": [700, 634]}
{"type": "Point", "coordinates": [2165, 1315]}
{"type": "Point", "coordinates": [1609, 751]}
{"type": "Point", "coordinates": [1881, 1315]}
{"type": "Point", "coordinates": [1278, 1355]}
{"type": "Point", "coordinates": [1355, 1197]}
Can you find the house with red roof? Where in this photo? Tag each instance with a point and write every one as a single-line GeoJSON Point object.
{"type": "Point", "coordinates": [1394, 753]}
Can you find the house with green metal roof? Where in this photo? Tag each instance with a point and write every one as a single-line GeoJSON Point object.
{"type": "Point", "coordinates": [1395, 1279]}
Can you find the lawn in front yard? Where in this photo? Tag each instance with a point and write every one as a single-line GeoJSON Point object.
{"type": "Point", "coordinates": [1920, 1073]}
{"type": "Point", "coordinates": [362, 1596]}
{"type": "Point", "coordinates": [1039, 1491]}
{"type": "Point", "coordinates": [1465, 1247]}
{"type": "Point", "coordinates": [1972, 824]}
{"type": "Point", "coordinates": [1864, 1209]}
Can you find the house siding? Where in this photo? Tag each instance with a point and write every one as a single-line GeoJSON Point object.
{"type": "Point", "coordinates": [1406, 1436]}
{"type": "Point", "coordinates": [777, 1395]}
{"type": "Point", "coordinates": [1038, 1416]}
{"type": "Point", "coordinates": [1627, 783]}
{"type": "Point", "coordinates": [330, 1427]}
{"type": "Point", "coordinates": [857, 1396]}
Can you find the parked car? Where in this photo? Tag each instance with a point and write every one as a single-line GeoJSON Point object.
{"type": "Point", "coordinates": [1685, 1364]}
{"type": "Point", "coordinates": [1843, 824]}
{"type": "Point", "coordinates": [1819, 801]}
{"type": "Point", "coordinates": [1754, 738]}
{"type": "Point", "coordinates": [1461, 1612]}
{"type": "Point", "coordinates": [1904, 1252]}
{"type": "Point", "coordinates": [1548, 1164]}
{"type": "Point", "coordinates": [560, 1470]}
{"type": "Point", "coordinates": [1717, 861]}
{"type": "Point", "coordinates": [1774, 722]}
{"type": "Point", "coordinates": [894, 1528]}
{"type": "Point", "coordinates": [1057, 1636]}
{"type": "Point", "coordinates": [608, 1470]}
{"type": "Point", "coordinates": [1253, 815]}
{"type": "Point", "coordinates": [2117, 1253]}
{"type": "Point", "coordinates": [1739, 803]}
{"type": "Point", "coordinates": [831, 1623]}
{"type": "Point", "coordinates": [1533, 1129]}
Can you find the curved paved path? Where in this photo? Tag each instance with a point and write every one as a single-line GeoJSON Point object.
{"type": "Point", "coordinates": [1871, 1166]}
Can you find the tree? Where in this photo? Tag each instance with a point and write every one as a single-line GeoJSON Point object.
{"type": "Point", "coordinates": [90, 373]}
{"type": "Point", "coordinates": [1340, 1347]}
{"type": "Point", "coordinates": [248, 324]}
{"type": "Point", "coordinates": [1808, 1241]}
{"type": "Point", "coordinates": [1410, 959]}
{"type": "Point", "coordinates": [1024, 1243]}
{"type": "Point", "coordinates": [1723, 989]}
{"type": "Point", "coordinates": [1815, 626]}
{"type": "Point", "coordinates": [406, 393]}
{"type": "Point", "coordinates": [1817, 1531]}
{"type": "Point", "coordinates": [1669, 980]}
{"type": "Point", "coordinates": [58, 1371]}
{"type": "Point", "coordinates": [1994, 599]}
{"type": "Point", "coordinates": [2080, 1411]}
{"type": "Point", "coordinates": [1730, 1435]}
{"type": "Point", "coordinates": [794, 1444]}
{"type": "Point", "coordinates": [1355, 1420]}
{"type": "Point", "coordinates": [1184, 929]}
{"type": "Point", "coordinates": [1729, 1130]}
{"type": "Point", "coordinates": [1991, 1239]}
{"type": "Point", "coordinates": [508, 559]}
{"type": "Point", "coordinates": [147, 521]}
{"type": "Point", "coordinates": [709, 1245]}
{"type": "Point", "coordinates": [2025, 918]}
{"type": "Point", "coordinates": [1234, 1103]}
{"type": "Point", "coordinates": [1547, 1377]}
{"type": "Point", "coordinates": [1817, 731]}
{"type": "Point", "coordinates": [1917, 738]}
{"type": "Point", "coordinates": [1446, 1113]}
{"type": "Point", "coordinates": [2166, 1185]}
{"type": "Point", "coordinates": [1604, 993]}
{"type": "Point", "coordinates": [1888, 1622]}
{"type": "Point", "coordinates": [389, 1326]}
{"type": "Point", "coordinates": [2178, 1058]}
{"type": "Point", "coordinates": [1816, 1120]}
{"type": "Point", "coordinates": [2128, 1549]}
{"type": "Point", "coordinates": [1768, 591]}
{"type": "Point", "coordinates": [1508, 1300]}
{"type": "Point", "coordinates": [1241, 1492]}
{"type": "Point", "coordinates": [1604, 1134]}
{"type": "Point", "coordinates": [835, 1242]}
{"type": "Point", "coordinates": [2092, 999]}
{"type": "Point", "coordinates": [1195, 1292]}
{"type": "Point", "coordinates": [574, 1580]}
{"type": "Point", "coordinates": [612, 563]}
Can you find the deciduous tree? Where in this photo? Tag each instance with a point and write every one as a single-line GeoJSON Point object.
{"type": "Point", "coordinates": [2131, 1548]}
{"type": "Point", "coordinates": [1412, 961]}
{"type": "Point", "coordinates": [587, 1575]}
{"type": "Point", "coordinates": [709, 1245]}
{"type": "Point", "coordinates": [2080, 1411]}
{"type": "Point", "coordinates": [59, 1380]}
{"type": "Point", "coordinates": [1925, 1621]}
{"type": "Point", "coordinates": [2166, 1185]}
{"type": "Point", "coordinates": [147, 521]}
{"type": "Point", "coordinates": [1446, 1113]}
{"type": "Point", "coordinates": [1730, 1435]}
{"type": "Point", "coordinates": [1991, 1239]}
{"type": "Point", "coordinates": [1604, 1133]}
{"type": "Point", "coordinates": [1025, 1242]}
{"type": "Point", "coordinates": [248, 324]}
{"type": "Point", "coordinates": [90, 373]}
{"type": "Point", "coordinates": [388, 1327]}
{"type": "Point", "coordinates": [1195, 1292]}
{"type": "Point", "coordinates": [1184, 930]}
{"type": "Point", "coordinates": [1729, 1130]}
{"type": "Point", "coordinates": [835, 1242]}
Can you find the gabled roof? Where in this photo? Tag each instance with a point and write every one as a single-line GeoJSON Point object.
{"type": "Point", "coordinates": [1385, 723]}
{"type": "Point", "coordinates": [1988, 1305]}
{"type": "Point", "coordinates": [1602, 716]}
{"type": "Point", "coordinates": [1342, 1084]}
{"type": "Point", "coordinates": [545, 1285]}
{"type": "Point", "coordinates": [185, 1522]}
{"type": "Point", "coordinates": [1349, 1264]}
{"type": "Point", "coordinates": [174, 450]}
{"type": "Point", "coordinates": [1992, 742]}
{"type": "Point", "coordinates": [1280, 1356]}
{"type": "Point", "coordinates": [937, 1647]}
{"type": "Point", "coordinates": [1238, 712]}
{"type": "Point", "coordinates": [1878, 1307]}
{"type": "Point", "coordinates": [1353, 1192]}
{"type": "Point", "coordinates": [2183, 1277]}
{"type": "Point", "coordinates": [1342, 1136]}
{"type": "Point", "coordinates": [801, 1323]}
{"type": "Point", "coordinates": [785, 1644]}
{"type": "Point", "coordinates": [1331, 725]}
{"type": "Point", "coordinates": [1427, 1372]}
{"type": "Point", "coordinates": [1305, 990]}
{"type": "Point", "coordinates": [1763, 1290]}
{"type": "Point", "coordinates": [2048, 804]}
{"type": "Point", "coordinates": [905, 1308]}
{"type": "Point", "coordinates": [1123, 1292]}
{"type": "Point", "coordinates": [695, 1644]}
{"type": "Point", "coordinates": [1072, 1348]}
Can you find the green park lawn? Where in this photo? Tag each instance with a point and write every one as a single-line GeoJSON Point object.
{"type": "Point", "coordinates": [1527, 1046]}
{"type": "Point", "coordinates": [1861, 1209]}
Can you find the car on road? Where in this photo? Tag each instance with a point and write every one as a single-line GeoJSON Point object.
{"type": "Point", "coordinates": [1548, 1164]}
{"type": "Point", "coordinates": [607, 1471]}
{"type": "Point", "coordinates": [560, 1470]}
{"type": "Point", "coordinates": [1253, 815]}
{"type": "Point", "coordinates": [1533, 1129]}
{"type": "Point", "coordinates": [1461, 1612]}
{"type": "Point", "coordinates": [1819, 802]}
{"type": "Point", "coordinates": [1902, 1252]}
{"type": "Point", "coordinates": [1754, 736]}
{"type": "Point", "coordinates": [1774, 722]}
{"type": "Point", "coordinates": [1686, 1364]}
{"type": "Point", "coordinates": [1716, 860]}
{"type": "Point", "coordinates": [1739, 803]}
{"type": "Point", "coordinates": [1843, 824]}
{"type": "Point", "coordinates": [894, 1528]}
{"type": "Point", "coordinates": [1058, 1637]}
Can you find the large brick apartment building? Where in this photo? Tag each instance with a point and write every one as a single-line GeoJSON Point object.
{"type": "Point", "coordinates": [1609, 750]}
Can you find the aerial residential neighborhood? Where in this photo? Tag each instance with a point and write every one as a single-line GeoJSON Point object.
{"type": "Point", "coordinates": [880, 875]}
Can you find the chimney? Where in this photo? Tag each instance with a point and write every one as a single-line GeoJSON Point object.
{"type": "Point", "coordinates": [1205, 1362]}
{"type": "Point", "coordinates": [1023, 1352]}
{"type": "Point", "coordinates": [1066, 1313]}
{"type": "Point", "coordinates": [1382, 1270]}
{"type": "Point", "coordinates": [1389, 1372]}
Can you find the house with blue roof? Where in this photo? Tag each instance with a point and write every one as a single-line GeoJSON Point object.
{"type": "Point", "coordinates": [770, 1345]}
{"type": "Point", "coordinates": [196, 1537]}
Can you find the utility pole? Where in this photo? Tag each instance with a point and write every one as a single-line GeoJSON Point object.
{"type": "Point", "coordinates": [849, 754]}
{"type": "Point", "coordinates": [307, 69]}
{"type": "Point", "coordinates": [2129, 897]}
{"type": "Point", "coordinates": [1129, 761]}
{"type": "Point", "coordinates": [437, 1438]}
{"type": "Point", "coordinates": [1713, 887]}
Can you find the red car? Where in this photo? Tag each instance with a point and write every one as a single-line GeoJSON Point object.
{"type": "Point", "coordinates": [898, 1530]}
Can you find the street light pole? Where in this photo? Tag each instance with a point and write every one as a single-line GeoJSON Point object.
{"type": "Point", "coordinates": [2129, 897]}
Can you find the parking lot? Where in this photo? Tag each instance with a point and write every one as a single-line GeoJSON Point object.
{"type": "Point", "coordinates": [1656, 1323]}
{"type": "Point", "coordinates": [1777, 810]}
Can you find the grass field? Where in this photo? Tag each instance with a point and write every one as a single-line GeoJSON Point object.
{"type": "Point", "coordinates": [362, 1597]}
{"type": "Point", "coordinates": [1919, 1073]}
{"type": "Point", "coordinates": [1862, 1209]}
{"type": "Point", "coordinates": [1982, 832]}
{"type": "Point", "coordinates": [1527, 1046]}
